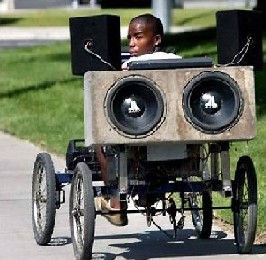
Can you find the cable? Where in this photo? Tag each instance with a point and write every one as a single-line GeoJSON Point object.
{"type": "Point", "coordinates": [240, 55]}
{"type": "Point", "coordinates": [243, 51]}
{"type": "Point", "coordinates": [98, 56]}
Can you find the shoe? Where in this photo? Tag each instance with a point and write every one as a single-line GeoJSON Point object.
{"type": "Point", "coordinates": [117, 219]}
{"type": "Point", "coordinates": [113, 215]}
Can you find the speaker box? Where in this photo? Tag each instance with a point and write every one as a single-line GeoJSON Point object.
{"type": "Point", "coordinates": [169, 106]}
{"type": "Point", "coordinates": [233, 29]}
{"type": "Point", "coordinates": [101, 34]}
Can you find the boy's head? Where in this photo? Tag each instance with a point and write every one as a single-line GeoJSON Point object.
{"type": "Point", "coordinates": [145, 34]}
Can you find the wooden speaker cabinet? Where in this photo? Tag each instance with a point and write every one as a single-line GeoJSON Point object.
{"type": "Point", "coordinates": [195, 105]}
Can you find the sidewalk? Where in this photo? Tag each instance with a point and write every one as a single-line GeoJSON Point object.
{"type": "Point", "coordinates": [13, 37]}
{"type": "Point", "coordinates": [130, 242]}
{"type": "Point", "coordinates": [59, 33]}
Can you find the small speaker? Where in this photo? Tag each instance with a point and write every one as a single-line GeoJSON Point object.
{"type": "Point", "coordinates": [195, 105]}
{"type": "Point", "coordinates": [101, 36]}
{"type": "Point", "coordinates": [235, 29]}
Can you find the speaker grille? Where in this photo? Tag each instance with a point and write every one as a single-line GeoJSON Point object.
{"type": "Point", "coordinates": [212, 102]}
{"type": "Point", "coordinates": [134, 106]}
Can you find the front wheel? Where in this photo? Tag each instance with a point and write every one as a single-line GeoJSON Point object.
{"type": "Point", "coordinates": [82, 212]}
{"type": "Point", "coordinates": [245, 205]}
{"type": "Point", "coordinates": [43, 198]}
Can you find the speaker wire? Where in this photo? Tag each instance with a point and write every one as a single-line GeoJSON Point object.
{"type": "Point", "coordinates": [86, 47]}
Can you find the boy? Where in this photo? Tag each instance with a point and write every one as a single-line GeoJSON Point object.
{"type": "Point", "coordinates": [145, 36]}
{"type": "Point", "coordinates": [145, 39]}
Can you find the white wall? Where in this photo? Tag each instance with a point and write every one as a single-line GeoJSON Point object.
{"type": "Point", "coordinates": [6, 5]}
{"type": "Point", "coordinates": [32, 4]}
{"type": "Point", "coordinates": [219, 3]}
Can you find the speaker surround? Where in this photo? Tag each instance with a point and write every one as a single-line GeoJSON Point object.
{"type": "Point", "coordinates": [212, 102]}
{"type": "Point", "coordinates": [134, 106]}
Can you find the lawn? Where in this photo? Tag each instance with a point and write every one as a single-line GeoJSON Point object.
{"type": "Point", "coordinates": [59, 17]}
{"type": "Point", "coordinates": [42, 101]}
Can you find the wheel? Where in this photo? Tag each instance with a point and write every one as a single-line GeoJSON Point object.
{"type": "Point", "coordinates": [43, 198]}
{"type": "Point", "coordinates": [82, 212]}
{"type": "Point", "coordinates": [245, 205]}
{"type": "Point", "coordinates": [201, 210]}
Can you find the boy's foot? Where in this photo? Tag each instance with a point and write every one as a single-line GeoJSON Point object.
{"type": "Point", "coordinates": [113, 215]}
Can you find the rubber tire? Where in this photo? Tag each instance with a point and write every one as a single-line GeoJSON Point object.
{"type": "Point", "coordinates": [43, 234]}
{"type": "Point", "coordinates": [245, 171]}
{"type": "Point", "coordinates": [206, 214]}
{"type": "Point", "coordinates": [82, 174]}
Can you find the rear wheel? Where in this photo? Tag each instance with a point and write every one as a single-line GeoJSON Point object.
{"type": "Point", "coordinates": [202, 213]}
{"type": "Point", "coordinates": [82, 212]}
{"type": "Point", "coordinates": [245, 205]}
{"type": "Point", "coordinates": [43, 198]}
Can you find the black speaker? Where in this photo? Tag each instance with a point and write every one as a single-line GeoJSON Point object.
{"type": "Point", "coordinates": [101, 37]}
{"type": "Point", "coordinates": [233, 29]}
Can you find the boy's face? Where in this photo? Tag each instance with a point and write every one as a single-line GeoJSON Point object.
{"type": "Point", "coordinates": [141, 38]}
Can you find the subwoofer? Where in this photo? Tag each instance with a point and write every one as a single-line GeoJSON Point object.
{"type": "Point", "coordinates": [135, 106]}
{"type": "Point", "coordinates": [239, 37]}
{"type": "Point", "coordinates": [101, 36]}
{"type": "Point", "coordinates": [212, 102]}
{"type": "Point", "coordinates": [195, 105]}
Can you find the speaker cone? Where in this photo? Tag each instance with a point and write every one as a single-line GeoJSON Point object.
{"type": "Point", "coordinates": [135, 106]}
{"type": "Point", "coordinates": [212, 102]}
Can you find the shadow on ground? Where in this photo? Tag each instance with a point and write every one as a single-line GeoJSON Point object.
{"type": "Point", "coordinates": [155, 245]}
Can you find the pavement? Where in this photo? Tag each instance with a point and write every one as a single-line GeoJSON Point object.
{"type": "Point", "coordinates": [135, 241]}
{"type": "Point", "coordinates": [60, 33]}
{"type": "Point", "coordinates": [30, 36]}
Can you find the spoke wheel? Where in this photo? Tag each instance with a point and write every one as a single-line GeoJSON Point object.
{"type": "Point", "coordinates": [245, 205]}
{"type": "Point", "coordinates": [82, 212]}
{"type": "Point", "coordinates": [43, 198]}
{"type": "Point", "coordinates": [202, 213]}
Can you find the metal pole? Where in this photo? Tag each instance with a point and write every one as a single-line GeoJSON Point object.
{"type": "Point", "coordinates": [11, 5]}
{"type": "Point", "coordinates": [231, 4]}
{"type": "Point", "coordinates": [75, 4]}
{"type": "Point", "coordinates": [7, 5]}
{"type": "Point", "coordinates": [162, 9]}
{"type": "Point", "coordinates": [92, 3]}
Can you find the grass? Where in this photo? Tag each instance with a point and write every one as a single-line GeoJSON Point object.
{"type": "Point", "coordinates": [59, 17]}
{"type": "Point", "coordinates": [42, 101]}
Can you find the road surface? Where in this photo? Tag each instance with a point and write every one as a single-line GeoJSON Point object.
{"type": "Point", "coordinates": [135, 241]}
